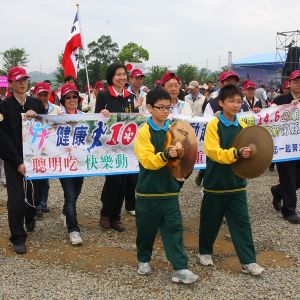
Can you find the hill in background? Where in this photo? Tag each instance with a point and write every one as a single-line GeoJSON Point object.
{"type": "Point", "coordinates": [36, 76]}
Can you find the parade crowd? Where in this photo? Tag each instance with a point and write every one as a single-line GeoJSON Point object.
{"type": "Point", "coordinates": [152, 195]}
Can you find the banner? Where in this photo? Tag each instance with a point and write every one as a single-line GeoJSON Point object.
{"type": "Point", "coordinates": [90, 145]}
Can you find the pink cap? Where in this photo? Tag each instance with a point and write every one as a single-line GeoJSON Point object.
{"type": "Point", "coordinates": [227, 74]}
{"type": "Point", "coordinates": [67, 88]}
{"type": "Point", "coordinates": [249, 85]}
{"type": "Point", "coordinates": [3, 82]}
{"type": "Point", "coordinates": [168, 76]}
{"type": "Point", "coordinates": [136, 73]}
{"type": "Point", "coordinates": [294, 75]}
{"type": "Point", "coordinates": [16, 73]}
{"type": "Point", "coordinates": [99, 86]}
{"type": "Point", "coordinates": [42, 87]}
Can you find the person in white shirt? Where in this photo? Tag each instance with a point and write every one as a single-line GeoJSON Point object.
{"type": "Point", "coordinates": [171, 83]}
{"type": "Point", "coordinates": [261, 94]}
{"type": "Point", "coordinates": [195, 98]}
{"type": "Point", "coordinates": [89, 106]}
{"type": "Point", "coordinates": [136, 80]}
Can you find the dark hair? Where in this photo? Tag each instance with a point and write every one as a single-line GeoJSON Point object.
{"type": "Point", "coordinates": [111, 71]}
{"type": "Point", "coordinates": [47, 81]}
{"type": "Point", "coordinates": [157, 94]}
{"type": "Point", "coordinates": [69, 78]}
{"type": "Point", "coordinates": [229, 91]}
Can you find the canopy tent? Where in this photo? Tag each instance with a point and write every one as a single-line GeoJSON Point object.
{"type": "Point", "coordinates": [260, 68]}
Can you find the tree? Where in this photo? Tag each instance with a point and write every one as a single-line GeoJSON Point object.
{"type": "Point", "coordinates": [133, 53]}
{"type": "Point", "coordinates": [155, 73]}
{"type": "Point", "coordinates": [59, 73]}
{"type": "Point", "coordinates": [104, 50]}
{"type": "Point", "coordinates": [14, 57]}
{"type": "Point", "coordinates": [187, 72]}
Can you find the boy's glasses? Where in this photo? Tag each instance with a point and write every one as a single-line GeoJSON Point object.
{"type": "Point", "coordinates": [163, 108]}
{"type": "Point", "coordinates": [71, 97]}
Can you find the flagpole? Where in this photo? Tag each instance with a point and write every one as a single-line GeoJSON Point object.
{"type": "Point", "coordinates": [83, 49]}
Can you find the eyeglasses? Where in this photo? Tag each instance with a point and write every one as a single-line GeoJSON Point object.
{"type": "Point", "coordinates": [71, 97]}
{"type": "Point", "coordinates": [230, 100]}
{"type": "Point", "coordinates": [163, 108]}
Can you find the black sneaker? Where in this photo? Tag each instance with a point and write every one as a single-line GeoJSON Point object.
{"type": "Point", "coordinates": [20, 248]}
{"type": "Point", "coordinates": [276, 199]}
{"type": "Point", "coordinates": [39, 213]}
{"type": "Point", "coordinates": [30, 225]}
{"type": "Point", "coordinates": [293, 219]}
{"type": "Point", "coordinates": [198, 179]}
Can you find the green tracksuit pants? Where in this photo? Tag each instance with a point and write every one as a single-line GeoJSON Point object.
{"type": "Point", "coordinates": [235, 208]}
{"type": "Point", "coordinates": [164, 214]}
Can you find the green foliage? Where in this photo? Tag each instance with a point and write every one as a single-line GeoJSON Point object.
{"type": "Point", "coordinates": [133, 53]}
{"type": "Point", "coordinates": [104, 50]}
{"type": "Point", "coordinates": [187, 73]}
{"type": "Point", "coordinates": [59, 73]}
{"type": "Point", "coordinates": [14, 57]}
{"type": "Point", "coordinates": [155, 73]}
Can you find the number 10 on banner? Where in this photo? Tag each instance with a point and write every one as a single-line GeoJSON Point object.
{"type": "Point", "coordinates": [125, 134]}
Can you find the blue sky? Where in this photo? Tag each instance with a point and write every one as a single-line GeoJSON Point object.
{"type": "Point", "coordinates": [199, 32]}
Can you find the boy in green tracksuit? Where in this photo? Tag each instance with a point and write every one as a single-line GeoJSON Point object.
{"type": "Point", "coordinates": [157, 205]}
{"type": "Point", "coordinates": [225, 192]}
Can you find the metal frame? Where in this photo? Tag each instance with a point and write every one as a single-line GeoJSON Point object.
{"type": "Point", "coordinates": [283, 41]}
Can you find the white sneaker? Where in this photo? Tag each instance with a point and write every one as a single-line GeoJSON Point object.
{"type": "Point", "coordinates": [64, 220]}
{"type": "Point", "coordinates": [205, 259]}
{"type": "Point", "coordinates": [144, 268]}
{"type": "Point", "coordinates": [184, 276]}
{"type": "Point", "coordinates": [75, 238]}
{"type": "Point", "coordinates": [131, 212]}
{"type": "Point", "coordinates": [253, 269]}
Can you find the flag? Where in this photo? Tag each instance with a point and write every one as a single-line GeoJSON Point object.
{"type": "Point", "coordinates": [70, 58]}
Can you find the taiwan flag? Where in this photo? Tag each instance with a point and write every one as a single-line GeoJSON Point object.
{"type": "Point", "coordinates": [71, 54]}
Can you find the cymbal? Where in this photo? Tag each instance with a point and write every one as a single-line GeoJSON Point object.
{"type": "Point", "coordinates": [260, 141]}
{"type": "Point", "coordinates": [182, 136]}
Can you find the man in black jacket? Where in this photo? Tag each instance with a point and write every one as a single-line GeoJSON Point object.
{"type": "Point", "coordinates": [288, 171]}
{"type": "Point", "coordinates": [11, 151]}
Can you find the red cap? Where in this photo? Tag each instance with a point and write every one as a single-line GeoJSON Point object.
{"type": "Point", "coordinates": [16, 73]}
{"type": "Point", "coordinates": [136, 73]}
{"type": "Point", "coordinates": [286, 85]}
{"type": "Point", "coordinates": [67, 88]}
{"type": "Point", "coordinates": [294, 75]}
{"type": "Point", "coordinates": [249, 85]}
{"type": "Point", "coordinates": [157, 82]}
{"type": "Point", "coordinates": [99, 86]}
{"type": "Point", "coordinates": [42, 87]}
{"type": "Point", "coordinates": [245, 81]}
{"type": "Point", "coordinates": [168, 76]}
{"type": "Point", "coordinates": [225, 75]}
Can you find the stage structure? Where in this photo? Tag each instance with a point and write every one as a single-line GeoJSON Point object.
{"type": "Point", "coordinates": [288, 52]}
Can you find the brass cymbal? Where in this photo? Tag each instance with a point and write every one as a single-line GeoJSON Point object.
{"type": "Point", "coordinates": [260, 141]}
{"type": "Point", "coordinates": [182, 135]}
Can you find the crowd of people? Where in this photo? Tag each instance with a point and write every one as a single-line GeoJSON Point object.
{"type": "Point", "coordinates": [152, 195]}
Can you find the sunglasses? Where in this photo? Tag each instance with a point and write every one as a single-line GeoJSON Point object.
{"type": "Point", "coordinates": [71, 97]}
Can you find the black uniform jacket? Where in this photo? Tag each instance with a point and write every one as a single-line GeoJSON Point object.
{"type": "Point", "coordinates": [11, 147]}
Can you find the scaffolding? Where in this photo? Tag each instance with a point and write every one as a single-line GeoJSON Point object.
{"type": "Point", "coordinates": [284, 42]}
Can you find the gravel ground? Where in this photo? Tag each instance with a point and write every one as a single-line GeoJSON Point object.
{"type": "Point", "coordinates": [105, 266]}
